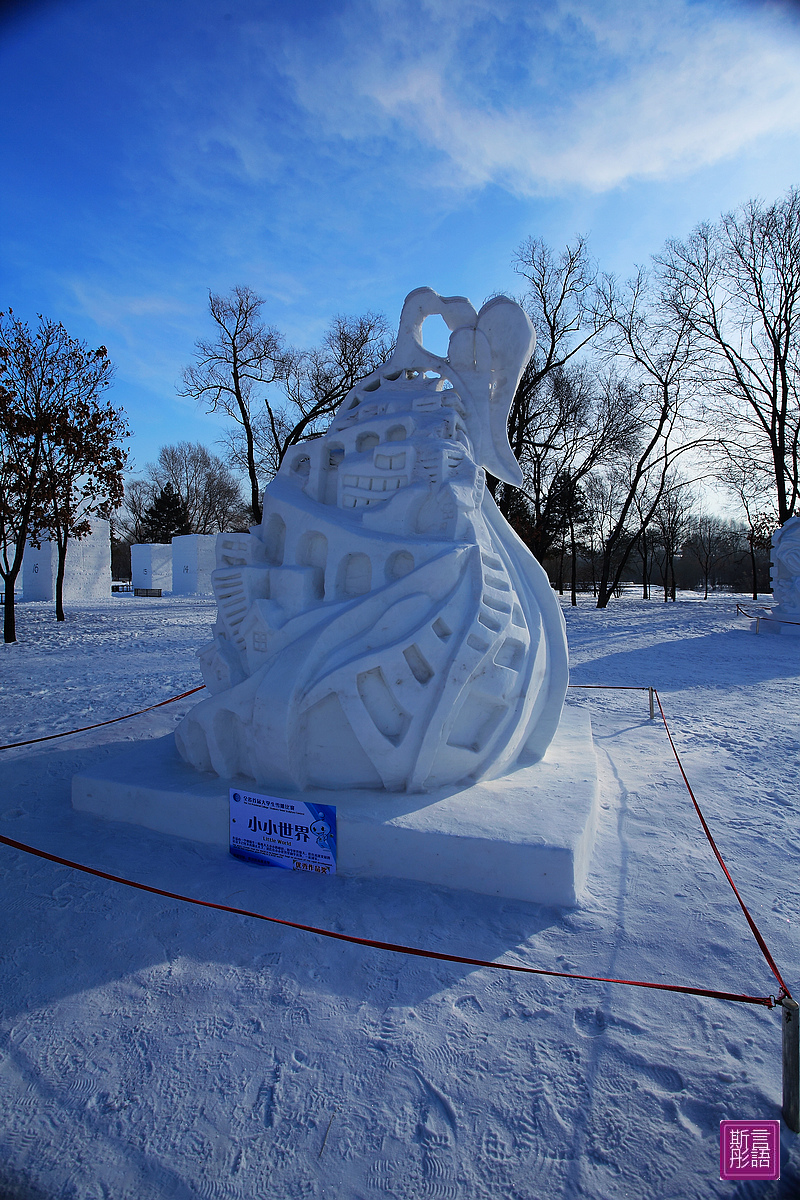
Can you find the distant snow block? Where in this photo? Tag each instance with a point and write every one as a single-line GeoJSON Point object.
{"type": "Point", "coordinates": [151, 566]}
{"type": "Point", "coordinates": [193, 560]}
{"type": "Point", "coordinates": [775, 626]}
{"type": "Point", "coordinates": [384, 627]}
{"type": "Point", "coordinates": [527, 837]}
{"type": "Point", "coordinates": [87, 570]}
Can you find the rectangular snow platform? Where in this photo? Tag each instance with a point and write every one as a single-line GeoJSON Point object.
{"type": "Point", "coordinates": [528, 836]}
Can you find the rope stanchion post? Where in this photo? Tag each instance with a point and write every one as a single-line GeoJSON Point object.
{"type": "Point", "coordinates": [652, 705]}
{"type": "Point", "coordinates": [790, 1020]}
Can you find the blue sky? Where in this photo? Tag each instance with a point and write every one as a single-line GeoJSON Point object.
{"type": "Point", "coordinates": [333, 156]}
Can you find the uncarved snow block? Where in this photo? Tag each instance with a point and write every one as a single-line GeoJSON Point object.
{"type": "Point", "coordinates": [87, 568]}
{"type": "Point", "coordinates": [528, 836]}
{"type": "Point", "coordinates": [193, 559]}
{"type": "Point", "coordinates": [151, 565]}
{"type": "Point", "coordinates": [774, 625]}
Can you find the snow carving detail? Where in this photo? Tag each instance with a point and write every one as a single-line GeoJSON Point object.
{"type": "Point", "coordinates": [384, 627]}
{"type": "Point", "coordinates": [786, 569]}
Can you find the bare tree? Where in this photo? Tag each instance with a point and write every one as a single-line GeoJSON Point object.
{"type": "Point", "coordinates": [560, 301]}
{"type": "Point", "coordinates": [671, 518]}
{"type": "Point", "coordinates": [737, 285]}
{"type": "Point", "coordinates": [752, 488]}
{"type": "Point", "coordinates": [314, 384]}
{"type": "Point", "coordinates": [657, 349]}
{"type": "Point", "coordinates": [235, 369]}
{"type": "Point", "coordinates": [577, 421]}
{"type": "Point", "coordinates": [206, 489]}
{"type": "Point", "coordinates": [711, 541]}
{"type": "Point", "coordinates": [130, 520]}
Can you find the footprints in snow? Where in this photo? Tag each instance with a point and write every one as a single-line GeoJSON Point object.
{"type": "Point", "coordinates": [468, 1004]}
{"type": "Point", "coordinates": [591, 1022]}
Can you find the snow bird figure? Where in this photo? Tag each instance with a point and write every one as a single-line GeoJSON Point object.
{"type": "Point", "coordinates": [384, 627]}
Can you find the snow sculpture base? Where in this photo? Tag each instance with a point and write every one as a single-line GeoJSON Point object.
{"type": "Point", "coordinates": [528, 836]}
{"type": "Point", "coordinates": [774, 625]}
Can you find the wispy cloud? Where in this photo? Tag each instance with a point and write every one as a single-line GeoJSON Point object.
{"type": "Point", "coordinates": [538, 98]}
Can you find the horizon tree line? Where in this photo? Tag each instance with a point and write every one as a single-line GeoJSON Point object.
{"type": "Point", "coordinates": [687, 372]}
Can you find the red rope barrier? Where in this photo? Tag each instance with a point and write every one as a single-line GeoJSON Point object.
{"type": "Point", "coordinates": [768, 1001]}
{"type": "Point", "coordinates": [68, 732]}
{"type": "Point", "coordinates": [784, 992]}
{"type": "Point", "coordinates": [394, 947]}
{"type": "Point", "coordinates": [755, 617]}
{"type": "Point", "coordinates": [610, 687]}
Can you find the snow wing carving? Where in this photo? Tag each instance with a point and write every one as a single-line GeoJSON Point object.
{"type": "Point", "coordinates": [384, 627]}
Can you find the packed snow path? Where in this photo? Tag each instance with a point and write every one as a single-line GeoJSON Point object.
{"type": "Point", "coordinates": [150, 1049]}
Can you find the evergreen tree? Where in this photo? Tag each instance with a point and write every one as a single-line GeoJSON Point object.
{"type": "Point", "coordinates": [166, 517]}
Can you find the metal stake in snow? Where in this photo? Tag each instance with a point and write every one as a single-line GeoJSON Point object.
{"type": "Point", "coordinates": [791, 1063]}
{"type": "Point", "coordinates": [652, 707]}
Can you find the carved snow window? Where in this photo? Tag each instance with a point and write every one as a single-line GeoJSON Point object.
{"type": "Point", "coordinates": [275, 539]}
{"type": "Point", "coordinates": [355, 575]}
{"type": "Point", "coordinates": [366, 441]}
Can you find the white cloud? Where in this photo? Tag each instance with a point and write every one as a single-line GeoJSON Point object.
{"type": "Point", "coordinates": [543, 98]}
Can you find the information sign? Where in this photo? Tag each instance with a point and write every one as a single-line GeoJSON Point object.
{"type": "Point", "coordinates": [283, 833]}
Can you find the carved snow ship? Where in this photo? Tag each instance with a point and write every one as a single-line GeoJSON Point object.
{"type": "Point", "coordinates": [384, 627]}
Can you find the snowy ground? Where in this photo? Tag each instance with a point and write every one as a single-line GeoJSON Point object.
{"type": "Point", "coordinates": [150, 1049]}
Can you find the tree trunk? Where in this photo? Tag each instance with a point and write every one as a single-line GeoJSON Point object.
{"type": "Point", "coordinates": [8, 581]}
{"type": "Point", "coordinates": [754, 565]}
{"type": "Point", "coordinates": [9, 620]}
{"type": "Point", "coordinates": [62, 562]}
{"type": "Point", "coordinates": [645, 581]}
{"type": "Point", "coordinates": [604, 591]}
{"type": "Point", "coordinates": [574, 572]}
{"type": "Point", "coordinates": [561, 567]}
{"type": "Point", "coordinates": [244, 412]}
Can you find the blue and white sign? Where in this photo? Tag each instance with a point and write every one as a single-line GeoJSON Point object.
{"type": "Point", "coordinates": [283, 833]}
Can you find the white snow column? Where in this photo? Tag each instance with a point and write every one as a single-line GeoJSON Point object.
{"type": "Point", "coordinates": [87, 571]}
{"type": "Point", "coordinates": [193, 560]}
{"type": "Point", "coordinates": [151, 565]}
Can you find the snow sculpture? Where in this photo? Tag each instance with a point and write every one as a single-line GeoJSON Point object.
{"type": "Point", "coordinates": [786, 570]}
{"type": "Point", "coordinates": [384, 627]}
